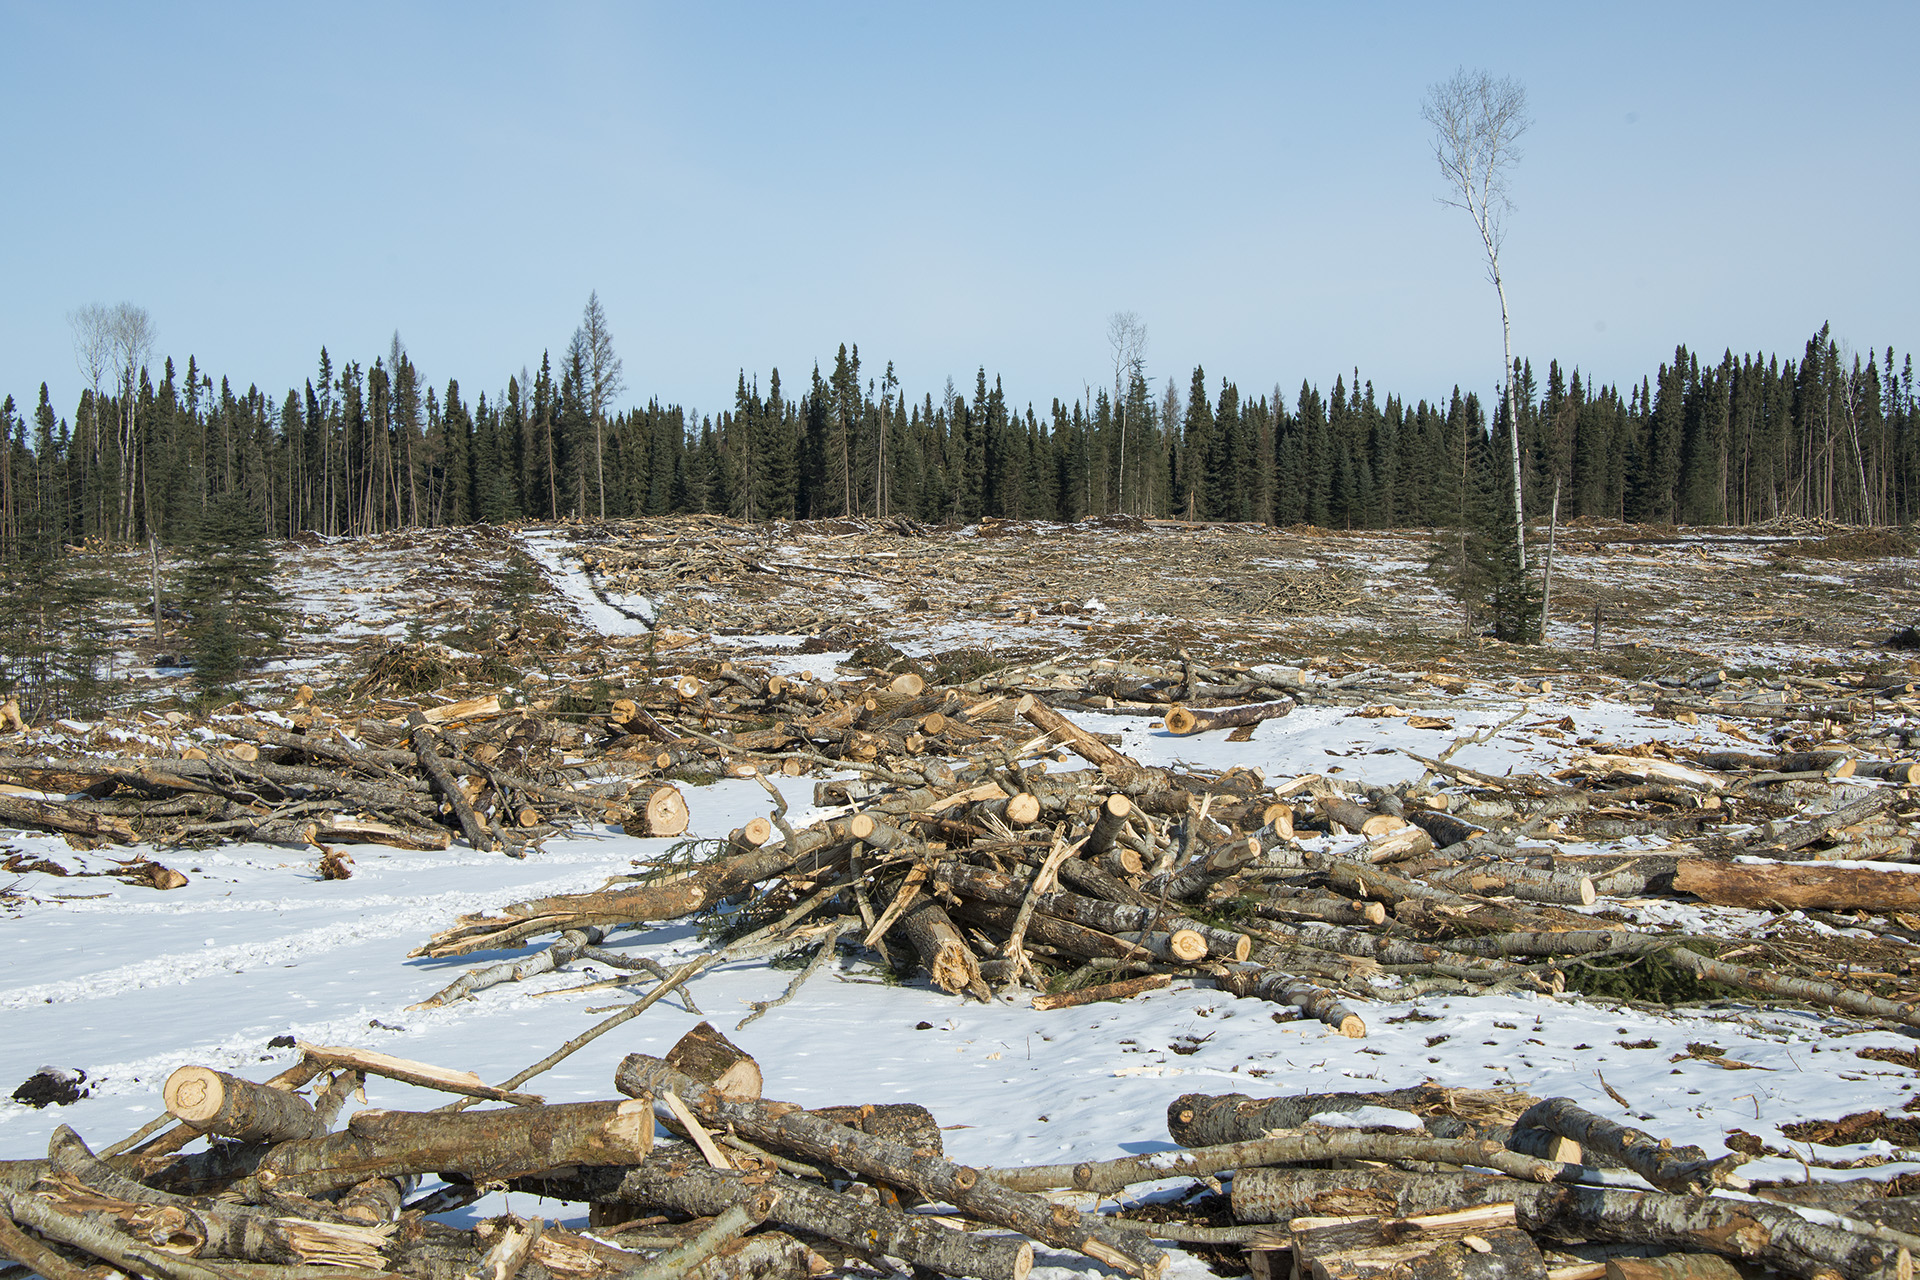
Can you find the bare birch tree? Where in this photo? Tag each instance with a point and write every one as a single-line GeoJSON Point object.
{"type": "Point", "coordinates": [1477, 122]}
{"type": "Point", "coordinates": [604, 382]}
{"type": "Point", "coordinates": [1127, 335]}
{"type": "Point", "coordinates": [93, 351]}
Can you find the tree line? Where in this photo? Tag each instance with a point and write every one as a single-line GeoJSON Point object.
{"type": "Point", "coordinates": [367, 447]}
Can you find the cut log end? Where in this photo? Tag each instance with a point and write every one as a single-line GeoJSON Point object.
{"type": "Point", "coordinates": [194, 1094]}
{"type": "Point", "coordinates": [664, 813]}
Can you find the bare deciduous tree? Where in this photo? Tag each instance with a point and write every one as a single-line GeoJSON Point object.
{"type": "Point", "coordinates": [604, 382]}
{"type": "Point", "coordinates": [1127, 335]}
{"type": "Point", "coordinates": [118, 338]}
{"type": "Point", "coordinates": [1477, 122]}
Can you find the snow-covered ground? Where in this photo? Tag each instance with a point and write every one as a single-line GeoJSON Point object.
{"type": "Point", "coordinates": [127, 983]}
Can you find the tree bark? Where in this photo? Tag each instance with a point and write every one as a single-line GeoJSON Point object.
{"type": "Point", "coordinates": [1794, 886]}
{"type": "Point", "coordinates": [484, 1145]}
{"type": "Point", "coordinates": [1182, 721]}
{"type": "Point", "coordinates": [712, 1059]}
{"type": "Point", "coordinates": [1754, 1231]}
{"type": "Point", "coordinates": [1681, 1170]}
{"type": "Point", "coordinates": [934, 1177]}
{"type": "Point", "coordinates": [675, 1179]}
{"type": "Point", "coordinates": [1283, 988]}
{"type": "Point", "coordinates": [1125, 990]}
{"type": "Point", "coordinates": [215, 1102]}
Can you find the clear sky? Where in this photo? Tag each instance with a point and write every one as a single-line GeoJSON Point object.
{"type": "Point", "coordinates": [947, 185]}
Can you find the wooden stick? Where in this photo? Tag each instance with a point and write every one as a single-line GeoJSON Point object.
{"type": "Point", "coordinates": [445, 1079]}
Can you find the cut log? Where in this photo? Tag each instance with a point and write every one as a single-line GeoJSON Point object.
{"type": "Point", "coordinates": [1672, 1266]}
{"type": "Point", "coordinates": [942, 951]}
{"type": "Point", "coordinates": [1181, 946]}
{"type": "Point", "coordinates": [346, 829]}
{"type": "Point", "coordinates": [1109, 917]}
{"type": "Point", "coordinates": [1182, 721]}
{"type": "Point", "coordinates": [897, 1164]}
{"type": "Point", "coordinates": [907, 1123]}
{"type": "Point", "coordinates": [1802, 834]}
{"type": "Point", "coordinates": [1756, 1232]}
{"type": "Point", "coordinates": [1470, 1244]}
{"type": "Point", "coordinates": [1110, 819]}
{"type": "Point", "coordinates": [215, 1102]}
{"type": "Point", "coordinates": [483, 1145]}
{"type": "Point", "coordinates": [51, 815]}
{"type": "Point", "coordinates": [466, 709]}
{"type": "Point", "coordinates": [1313, 904]}
{"type": "Point", "coordinates": [1047, 931]}
{"type": "Point", "coordinates": [1445, 829]}
{"type": "Point", "coordinates": [1284, 988]}
{"type": "Point", "coordinates": [1682, 1170]}
{"type": "Point", "coordinates": [1406, 841]}
{"type": "Point", "coordinates": [1518, 880]}
{"type": "Point", "coordinates": [1904, 773]}
{"type": "Point", "coordinates": [1796, 886]}
{"type": "Point", "coordinates": [1074, 738]}
{"type": "Point", "coordinates": [1109, 991]}
{"type": "Point", "coordinates": [1208, 1120]}
{"type": "Point", "coordinates": [1647, 769]}
{"type": "Point", "coordinates": [706, 1055]}
{"type": "Point", "coordinates": [1278, 1147]}
{"type": "Point", "coordinates": [477, 832]}
{"type": "Point", "coordinates": [660, 810]}
{"type": "Point", "coordinates": [677, 1180]}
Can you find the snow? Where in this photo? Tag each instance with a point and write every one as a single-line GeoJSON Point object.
{"type": "Point", "coordinates": [127, 983]}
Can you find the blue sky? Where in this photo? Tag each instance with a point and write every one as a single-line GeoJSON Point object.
{"type": "Point", "coordinates": [948, 186]}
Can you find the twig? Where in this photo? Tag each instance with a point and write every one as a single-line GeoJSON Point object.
{"type": "Point", "coordinates": [827, 945]}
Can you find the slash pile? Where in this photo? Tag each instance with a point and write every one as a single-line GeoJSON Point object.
{"type": "Point", "coordinates": [1458, 1183]}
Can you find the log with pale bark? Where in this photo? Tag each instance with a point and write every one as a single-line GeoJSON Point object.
{"type": "Point", "coordinates": [677, 1178]}
{"type": "Point", "coordinates": [482, 1145]}
{"type": "Point", "coordinates": [215, 1102]}
{"type": "Point", "coordinates": [936, 1178]}
{"type": "Point", "coordinates": [1751, 1231]}
{"type": "Point", "coordinates": [1277, 1147]}
{"type": "Point", "coordinates": [1182, 720]}
{"type": "Point", "coordinates": [709, 1057]}
{"type": "Point", "coordinates": [1682, 1170]}
{"type": "Point", "coordinates": [1481, 1243]}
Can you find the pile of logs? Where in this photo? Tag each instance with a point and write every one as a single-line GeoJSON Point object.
{"type": "Point", "coordinates": [958, 848]}
{"type": "Point", "coordinates": [950, 851]}
{"type": "Point", "coordinates": [472, 768]}
{"type": "Point", "coordinates": [1469, 1185]}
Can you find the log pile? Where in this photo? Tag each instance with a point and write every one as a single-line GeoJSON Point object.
{"type": "Point", "coordinates": [953, 852]}
{"type": "Point", "coordinates": [1456, 1183]}
{"type": "Point", "coordinates": [966, 840]}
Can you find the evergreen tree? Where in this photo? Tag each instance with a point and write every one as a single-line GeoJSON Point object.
{"type": "Point", "coordinates": [236, 615]}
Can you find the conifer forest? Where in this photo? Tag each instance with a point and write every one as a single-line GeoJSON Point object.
{"type": "Point", "coordinates": [374, 444]}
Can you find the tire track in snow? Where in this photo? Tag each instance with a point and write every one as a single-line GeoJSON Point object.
{"type": "Point", "coordinates": [414, 917]}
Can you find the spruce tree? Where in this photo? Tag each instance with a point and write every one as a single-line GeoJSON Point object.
{"type": "Point", "coordinates": [236, 615]}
